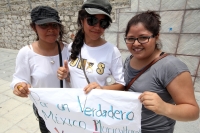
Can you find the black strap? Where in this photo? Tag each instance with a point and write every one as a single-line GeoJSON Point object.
{"type": "Point", "coordinates": [61, 63]}
{"type": "Point", "coordinates": [83, 66]}
{"type": "Point", "coordinates": [162, 55]}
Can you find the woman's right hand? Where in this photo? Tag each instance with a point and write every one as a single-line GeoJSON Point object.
{"type": "Point", "coordinates": [63, 72]}
{"type": "Point", "coordinates": [91, 86]}
{"type": "Point", "coordinates": [22, 89]}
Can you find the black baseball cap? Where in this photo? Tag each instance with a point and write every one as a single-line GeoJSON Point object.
{"type": "Point", "coordinates": [44, 14]}
{"type": "Point", "coordinates": [98, 7]}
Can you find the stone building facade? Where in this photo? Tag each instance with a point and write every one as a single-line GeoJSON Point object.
{"type": "Point", "coordinates": [15, 19]}
{"type": "Point", "coordinates": [180, 28]}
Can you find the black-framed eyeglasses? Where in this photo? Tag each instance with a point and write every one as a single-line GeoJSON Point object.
{"type": "Point", "coordinates": [141, 40]}
{"type": "Point", "coordinates": [93, 21]}
{"type": "Point", "coordinates": [47, 25]}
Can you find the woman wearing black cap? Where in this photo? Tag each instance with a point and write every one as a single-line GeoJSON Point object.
{"type": "Point", "coordinates": [92, 58]}
{"type": "Point", "coordinates": [37, 63]}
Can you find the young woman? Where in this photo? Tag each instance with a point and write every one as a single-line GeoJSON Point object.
{"type": "Point", "coordinates": [37, 63]}
{"type": "Point", "coordinates": [90, 53]}
{"type": "Point", "coordinates": [166, 87]}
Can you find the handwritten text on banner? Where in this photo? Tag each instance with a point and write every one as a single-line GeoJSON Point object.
{"type": "Point", "coordinates": [101, 111]}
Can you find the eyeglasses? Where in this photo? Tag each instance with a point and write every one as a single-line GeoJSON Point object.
{"type": "Point", "coordinates": [93, 21]}
{"type": "Point", "coordinates": [47, 25]}
{"type": "Point", "coordinates": [141, 40]}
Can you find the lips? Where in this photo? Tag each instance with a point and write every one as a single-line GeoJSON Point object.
{"type": "Point", "coordinates": [137, 49]}
{"type": "Point", "coordinates": [96, 32]}
{"type": "Point", "coordinates": [51, 35]}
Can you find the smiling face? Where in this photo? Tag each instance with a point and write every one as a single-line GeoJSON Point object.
{"type": "Point", "coordinates": [93, 33]}
{"type": "Point", "coordinates": [48, 33]}
{"type": "Point", "coordinates": [141, 51]}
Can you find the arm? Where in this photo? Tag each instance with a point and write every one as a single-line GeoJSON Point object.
{"type": "Point", "coordinates": [21, 77]}
{"type": "Point", "coordinates": [116, 69]}
{"type": "Point", "coordinates": [117, 72]}
{"type": "Point", "coordinates": [182, 92]}
{"type": "Point", "coordinates": [114, 86]}
{"type": "Point", "coordinates": [95, 85]}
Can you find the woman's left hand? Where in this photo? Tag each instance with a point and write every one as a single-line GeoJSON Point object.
{"type": "Point", "coordinates": [91, 86]}
{"type": "Point", "coordinates": [153, 102]}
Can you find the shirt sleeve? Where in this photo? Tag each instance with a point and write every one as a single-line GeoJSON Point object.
{"type": "Point", "coordinates": [117, 67]}
{"type": "Point", "coordinates": [22, 68]}
{"type": "Point", "coordinates": [170, 69]}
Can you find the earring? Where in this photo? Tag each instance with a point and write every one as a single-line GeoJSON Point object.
{"type": "Point", "coordinates": [103, 36]}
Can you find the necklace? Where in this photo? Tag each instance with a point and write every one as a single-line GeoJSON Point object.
{"type": "Point", "coordinates": [52, 60]}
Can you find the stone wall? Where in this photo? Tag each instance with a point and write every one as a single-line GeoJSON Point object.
{"type": "Point", "coordinates": [180, 28]}
{"type": "Point", "coordinates": [15, 31]}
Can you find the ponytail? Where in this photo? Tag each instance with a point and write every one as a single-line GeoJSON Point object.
{"type": "Point", "coordinates": [77, 44]}
{"type": "Point", "coordinates": [79, 37]}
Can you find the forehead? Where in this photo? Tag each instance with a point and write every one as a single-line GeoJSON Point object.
{"type": "Point", "coordinates": [138, 29]}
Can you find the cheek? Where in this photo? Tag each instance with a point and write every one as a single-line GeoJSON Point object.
{"type": "Point", "coordinates": [87, 30]}
{"type": "Point", "coordinates": [37, 29]}
{"type": "Point", "coordinates": [153, 43]}
{"type": "Point", "coordinates": [86, 27]}
{"type": "Point", "coordinates": [38, 33]}
{"type": "Point", "coordinates": [102, 30]}
{"type": "Point", "coordinates": [58, 32]}
{"type": "Point", "coordinates": [41, 34]}
{"type": "Point", "coordinates": [151, 48]}
{"type": "Point", "coordinates": [129, 46]}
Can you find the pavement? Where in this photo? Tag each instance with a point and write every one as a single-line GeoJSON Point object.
{"type": "Point", "coordinates": [16, 114]}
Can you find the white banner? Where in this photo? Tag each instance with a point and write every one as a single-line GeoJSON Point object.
{"type": "Point", "coordinates": [69, 110]}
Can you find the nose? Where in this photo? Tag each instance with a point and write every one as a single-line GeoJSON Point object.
{"type": "Point", "coordinates": [51, 27]}
{"type": "Point", "coordinates": [136, 43]}
{"type": "Point", "coordinates": [97, 25]}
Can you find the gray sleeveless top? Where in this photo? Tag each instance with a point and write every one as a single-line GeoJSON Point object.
{"type": "Point", "coordinates": [155, 79]}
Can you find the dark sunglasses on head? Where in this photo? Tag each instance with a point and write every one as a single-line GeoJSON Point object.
{"type": "Point", "coordinates": [47, 25]}
{"type": "Point", "coordinates": [92, 21]}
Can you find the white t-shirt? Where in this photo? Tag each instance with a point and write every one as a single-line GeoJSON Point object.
{"type": "Point", "coordinates": [38, 70]}
{"type": "Point", "coordinates": [100, 62]}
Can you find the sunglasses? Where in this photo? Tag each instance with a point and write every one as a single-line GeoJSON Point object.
{"type": "Point", "coordinates": [92, 21]}
{"type": "Point", "coordinates": [47, 25]}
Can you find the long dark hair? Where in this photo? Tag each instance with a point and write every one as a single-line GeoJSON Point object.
{"type": "Point", "coordinates": [79, 37]}
{"type": "Point", "coordinates": [61, 33]}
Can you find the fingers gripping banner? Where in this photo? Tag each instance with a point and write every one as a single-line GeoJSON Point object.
{"type": "Point", "coordinates": [101, 111]}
